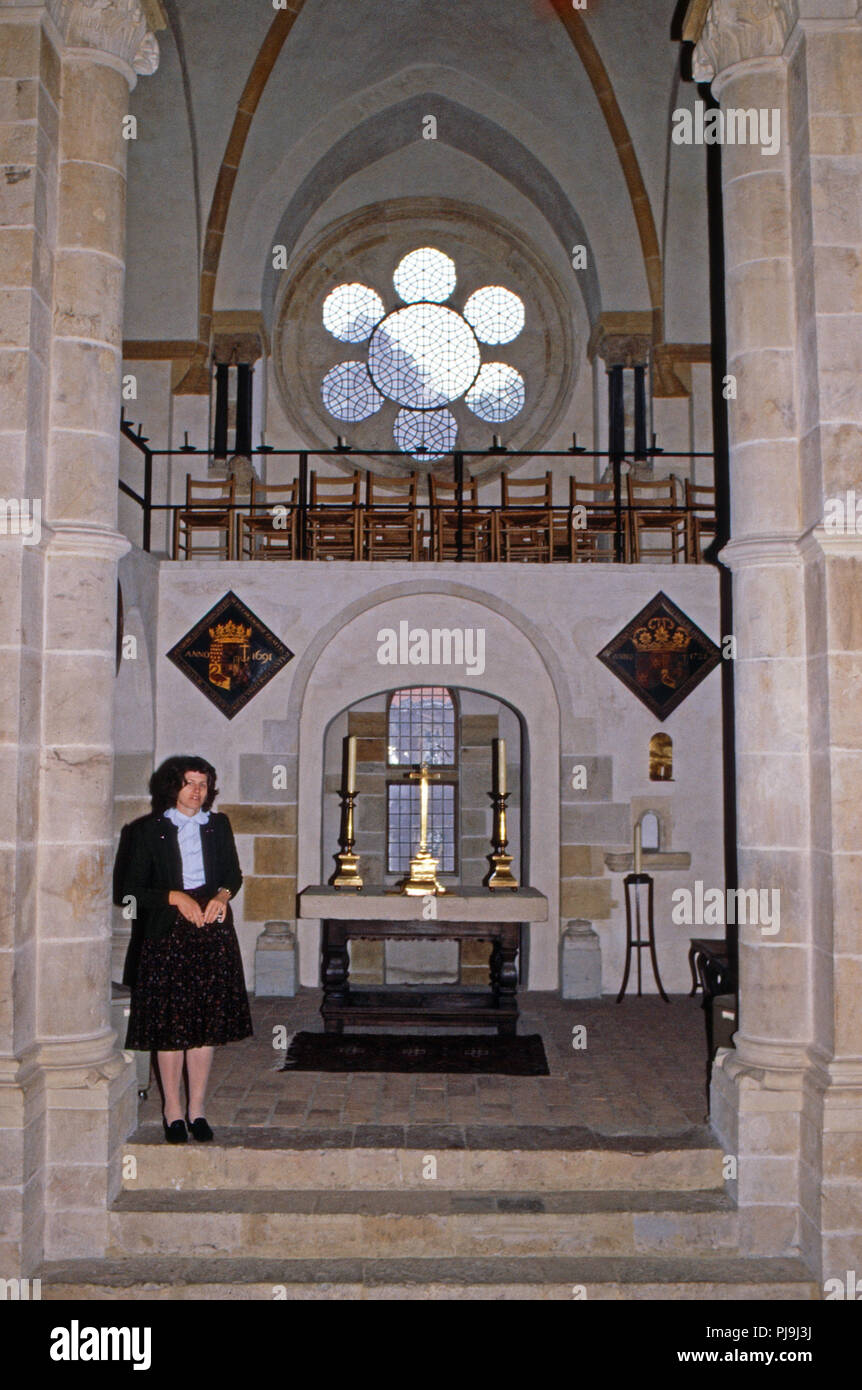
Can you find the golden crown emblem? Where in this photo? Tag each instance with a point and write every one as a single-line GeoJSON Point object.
{"type": "Point", "coordinates": [230, 632]}
{"type": "Point", "coordinates": [661, 634]}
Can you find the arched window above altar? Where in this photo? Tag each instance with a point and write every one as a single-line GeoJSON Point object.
{"type": "Point", "coordinates": [421, 727]}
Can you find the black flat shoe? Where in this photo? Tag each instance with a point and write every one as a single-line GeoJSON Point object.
{"type": "Point", "coordinates": [200, 1131]}
{"type": "Point", "coordinates": [176, 1132]}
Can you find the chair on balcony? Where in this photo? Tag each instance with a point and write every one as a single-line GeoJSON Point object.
{"type": "Point", "coordinates": [333, 519]}
{"type": "Point", "coordinates": [392, 525]}
{"type": "Point", "coordinates": [596, 539]}
{"type": "Point", "coordinates": [477, 525]}
{"type": "Point", "coordinates": [700, 518]}
{"type": "Point", "coordinates": [270, 534]}
{"type": "Point", "coordinates": [525, 522]}
{"type": "Point", "coordinates": [654, 508]}
{"type": "Point", "coordinates": [209, 512]}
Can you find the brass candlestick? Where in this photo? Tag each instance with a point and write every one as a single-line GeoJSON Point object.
{"type": "Point", "coordinates": [500, 874]}
{"type": "Point", "coordinates": [422, 878]}
{"type": "Point", "coordinates": [347, 874]}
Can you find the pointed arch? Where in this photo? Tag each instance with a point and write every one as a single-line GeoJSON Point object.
{"type": "Point", "coordinates": [196, 379]}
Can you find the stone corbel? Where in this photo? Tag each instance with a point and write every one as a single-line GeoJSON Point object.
{"type": "Point", "coordinates": [736, 30]}
{"type": "Point", "coordinates": [119, 28]}
{"type": "Point", "coordinates": [667, 384]}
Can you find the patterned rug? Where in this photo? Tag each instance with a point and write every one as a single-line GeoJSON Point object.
{"type": "Point", "coordinates": [404, 1052]}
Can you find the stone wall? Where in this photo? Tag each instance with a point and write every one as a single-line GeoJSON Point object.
{"type": "Point", "coordinates": [541, 645]}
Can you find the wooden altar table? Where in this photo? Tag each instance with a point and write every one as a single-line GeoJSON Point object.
{"type": "Point", "coordinates": [375, 914]}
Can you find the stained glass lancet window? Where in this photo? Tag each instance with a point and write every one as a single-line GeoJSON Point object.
{"type": "Point", "coordinates": [421, 728]}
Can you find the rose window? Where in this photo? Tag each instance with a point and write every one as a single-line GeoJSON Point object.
{"type": "Point", "coordinates": [424, 356]}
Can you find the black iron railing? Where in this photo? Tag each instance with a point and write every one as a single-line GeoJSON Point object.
{"type": "Point", "coordinates": [458, 457]}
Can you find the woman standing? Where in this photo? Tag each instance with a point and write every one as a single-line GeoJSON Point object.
{"type": "Point", "coordinates": [184, 965]}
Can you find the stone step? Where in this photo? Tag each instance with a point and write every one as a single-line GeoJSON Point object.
{"type": "Point", "coordinates": [485, 1159]}
{"type": "Point", "coordinates": [404, 1224]}
{"type": "Point", "coordinates": [549, 1278]}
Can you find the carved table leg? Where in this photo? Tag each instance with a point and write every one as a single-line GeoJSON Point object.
{"type": "Point", "coordinates": [507, 980]}
{"type": "Point", "coordinates": [335, 973]}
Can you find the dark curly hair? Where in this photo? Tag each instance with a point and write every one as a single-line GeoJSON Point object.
{"type": "Point", "coordinates": [166, 782]}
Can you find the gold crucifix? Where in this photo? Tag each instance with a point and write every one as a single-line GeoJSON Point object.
{"type": "Point", "coordinates": [422, 878]}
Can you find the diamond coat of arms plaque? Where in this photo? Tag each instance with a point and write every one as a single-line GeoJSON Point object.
{"type": "Point", "coordinates": [230, 655]}
{"type": "Point", "coordinates": [661, 655]}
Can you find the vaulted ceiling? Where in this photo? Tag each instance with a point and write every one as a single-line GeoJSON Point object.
{"type": "Point", "coordinates": [264, 124]}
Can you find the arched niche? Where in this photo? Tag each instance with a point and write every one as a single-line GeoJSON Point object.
{"type": "Point", "coordinates": [514, 673]}
{"type": "Point", "coordinates": [478, 719]}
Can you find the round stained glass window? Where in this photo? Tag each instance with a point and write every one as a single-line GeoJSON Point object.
{"type": "Point", "coordinates": [425, 274]}
{"type": "Point", "coordinates": [495, 314]}
{"type": "Point", "coordinates": [427, 434]}
{"type": "Point", "coordinates": [497, 394]}
{"type": "Point", "coordinates": [349, 393]}
{"type": "Point", "coordinates": [351, 311]}
{"type": "Point", "coordinates": [423, 356]}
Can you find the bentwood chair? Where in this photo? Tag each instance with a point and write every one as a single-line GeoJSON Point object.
{"type": "Point", "coordinates": [209, 512]}
{"type": "Point", "coordinates": [525, 523]}
{"type": "Point", "coordinates": [477, 523]}
{"type": "Point", "coordinates": [654, 508]}
{"type": "Point", "coordinates": [392, 525]}
{"type": "Point", "coordinates": [333, 520]}
{"type": "Point", "coordinates": [700, 518]}
{"type": "Point", "coordinates": [270, 531]}
{"type": "Point", "coordinates": [592, 523]}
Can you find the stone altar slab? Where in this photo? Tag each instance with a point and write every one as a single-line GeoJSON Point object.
{"type": "Point", "coordinates": [378, 904]}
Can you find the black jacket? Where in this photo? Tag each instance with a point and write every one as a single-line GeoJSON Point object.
{"type": "Point", "coordinates": [149, 867]}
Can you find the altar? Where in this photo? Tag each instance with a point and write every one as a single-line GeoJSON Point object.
{"type": "Point", "coordinates": [379, 914]}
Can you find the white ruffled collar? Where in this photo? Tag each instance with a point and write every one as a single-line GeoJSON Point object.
{"type": "Point", "coordinates": [179, 819]}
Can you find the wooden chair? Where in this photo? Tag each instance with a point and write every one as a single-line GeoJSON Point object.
{"type": "Point", "coordinates": [208, 510]}
{"type": "Point", "coordinates": [654, 506]}
{"type": "Point", "coordinates": [477, 526]}
{"type": "Point", "coordinates": [392, 525]}
{"type": "Point", "coordinates": [597, 539]}
{"type": "Point", "coordinates": [525, 523]}
{"type": "Point", "coordinates": [700, 518]}
{"type": "Point", "coordinates": [333, 520]}
{"type": "Point", "coordinates": [271, 534]}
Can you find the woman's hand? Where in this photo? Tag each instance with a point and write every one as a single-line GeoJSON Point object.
{"type": "Point", "coordinates": [216, 908]}
{"type": "Point", "coordinates": [190, 909]}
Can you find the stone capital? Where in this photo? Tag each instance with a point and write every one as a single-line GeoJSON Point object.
{"type": "Point", "coordinates": [118, 28]}
{"type": "Point", "coordinates": [735, 31]}
{"type": "Point", "coordinates": [238, 336]}
{"type": "Point", "coordinates": [621, 338]}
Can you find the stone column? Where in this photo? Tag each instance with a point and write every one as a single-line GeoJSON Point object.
{"type": "Point", "coordinates": [794, 816]}
{"type": "Point", "coordinates": [77, 1089]}
{"type": "Point", "coordinates": [833, 474]}
{"type": "Point", "coordinates": [29, 101]}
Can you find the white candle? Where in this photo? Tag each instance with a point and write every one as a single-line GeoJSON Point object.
{"type": "Point", "coordinates": [500, 745]}
{"type": "Point", "coordinates": [351, 765]}
{"type": "Point", "coordinates": [638, 866]}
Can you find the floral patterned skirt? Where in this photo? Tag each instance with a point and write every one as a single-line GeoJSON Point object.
{"type": "Point", "coordinates": [190, 989]}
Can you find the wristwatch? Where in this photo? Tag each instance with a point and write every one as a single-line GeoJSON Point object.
{"type": "Point", "coordinates": [224, 890]}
